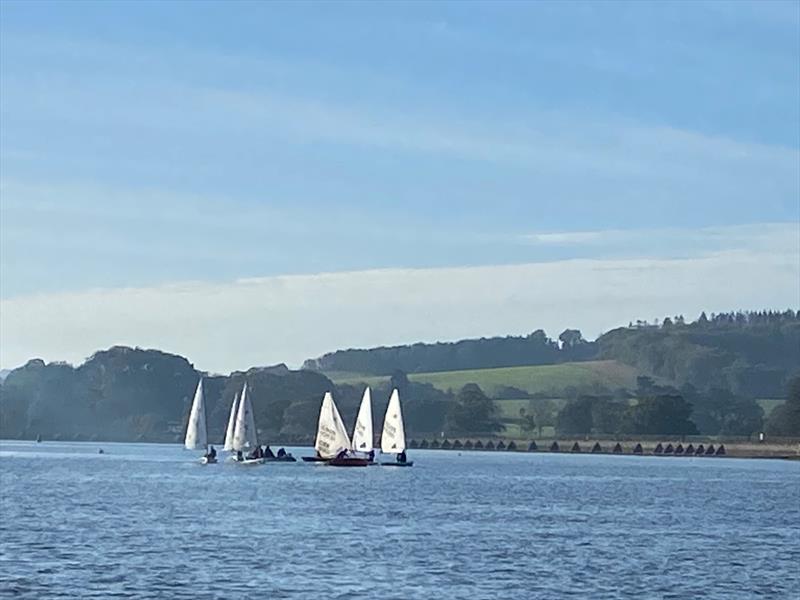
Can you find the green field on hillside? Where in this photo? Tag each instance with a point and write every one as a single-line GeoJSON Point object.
{"type": "Point", "coordinates": [541, 378]}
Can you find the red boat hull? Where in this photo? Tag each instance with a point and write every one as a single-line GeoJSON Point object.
{"type": "Point", "coordinates": [348, 462]}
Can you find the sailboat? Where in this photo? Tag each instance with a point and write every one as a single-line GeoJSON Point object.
{"type": "Point", "coordinates": [362, 432]}
{"type": "Point", "coordinates": [229, 431]}
{"type": "Point", "coordinates": [196, 432]}
{"type": "Point", "coordinates": [332, 437]}
{"type": "Point", "coordinates": [393, 436]}
{"type": "Point", "coordinates": [244, 431]}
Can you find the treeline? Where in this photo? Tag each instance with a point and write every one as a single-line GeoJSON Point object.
{"type": "Point", "coordinates": [134, 394]}
{"type": "Point", "coordinates": [751, 354]}
{"type": "Point", "coordinates": [144, 395]}
{"type": "Point", "coordinates": [663, 409]}
{"type": "Point", "coordinates": [534, 349]}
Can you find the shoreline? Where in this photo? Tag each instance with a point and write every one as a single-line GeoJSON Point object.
{"type": "Point", "coordinates": [604, 447]}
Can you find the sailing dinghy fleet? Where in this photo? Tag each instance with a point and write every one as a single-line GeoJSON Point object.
{"type": "Point", "coordinates": [332, 445]}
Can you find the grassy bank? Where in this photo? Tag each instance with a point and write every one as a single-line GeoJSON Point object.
{"type": "Point", "coordinates": [541, 378]}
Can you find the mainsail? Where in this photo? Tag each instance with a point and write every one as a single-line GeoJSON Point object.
{"type": "Point", "coordinates": [362, 434]}
{"type": "Point", "coordinates": [231, 424]}
{"type": "Point", "coordinates": [196, 435]}
{"type": "Point", "coordinates": [332, 437]}
{"type": "Point", "coordinates": [393, 436]}
{"type": "Point", "coordinates": [244, 432]}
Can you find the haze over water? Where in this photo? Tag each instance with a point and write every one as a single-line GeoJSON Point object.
{"type": "Point", "coordinates": [145, 521]}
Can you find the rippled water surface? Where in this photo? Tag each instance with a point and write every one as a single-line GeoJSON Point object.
{"type": "Point", "coordinates": [145, 521]}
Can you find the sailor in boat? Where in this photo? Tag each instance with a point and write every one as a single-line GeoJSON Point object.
{"type": "Point", "coordinates": [401, 457]}
{"type": "Point", "coordinates": [268, 453]}
{"type": "Point", "coordinates": [281, 452]}
{"type": "Point", "coordinates": [239, 456]}
{"type": "Point", "coordinates": [256, 453]}
{"type": "Point", "coordinates": [371, 456]}
{"type": "Point", "coordinates": [211, 455]}
{"type": "Point", "coordinates": [342, 454]}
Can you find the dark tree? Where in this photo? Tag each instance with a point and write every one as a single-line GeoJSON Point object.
{"type": "Point", "coordinates": [667, 414]}
{"type": "Point", "coordinates": [473, 412]}
{"type": "Point", "coordinates": [576, 416]}
{"type": "Point", "coordinates": [785, 419]}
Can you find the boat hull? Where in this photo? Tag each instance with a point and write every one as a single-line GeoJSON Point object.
{"type": "Point", "coordinates": [409, 463]}
{"type": "Point", "coordinates": [287, 458]}
{"type": "Point", "coordinates": [250, 462]}
{"type": "Point", "coordinates": [208, 461]}
{"type": "Point", "coordinates": [315, 459]}
{"type": "Point", "coordinates": [348, 462]}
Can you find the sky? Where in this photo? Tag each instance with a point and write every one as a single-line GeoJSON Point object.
{"type": "Point", "coordinates": [248, 183]}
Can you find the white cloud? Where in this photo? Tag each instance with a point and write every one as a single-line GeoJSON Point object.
{"type": "Point", "coordinates": [260, 321]}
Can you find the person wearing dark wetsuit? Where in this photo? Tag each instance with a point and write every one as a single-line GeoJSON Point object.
{"type": "Point", "coordinates": [401, 457]}
{"type": "Point", "coordinates": [268, 452]}
{"type": "Point", "coordinates": [281, 452]}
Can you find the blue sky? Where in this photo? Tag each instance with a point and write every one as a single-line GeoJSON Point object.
{"type": "Point", "coordinates": [146, 145]}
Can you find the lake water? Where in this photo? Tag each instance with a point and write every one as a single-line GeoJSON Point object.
{"type": "Point", "coordinates": [144, 521]}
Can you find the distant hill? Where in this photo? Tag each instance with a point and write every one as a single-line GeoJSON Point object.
{"type": "Point", "coordinates": [750, 353]}
{"type": "Point", "coordinates": [719, 365]}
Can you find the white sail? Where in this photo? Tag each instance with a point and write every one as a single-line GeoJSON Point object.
{"type": "Point", "coordinates": [231, 424]}
{"type": "Point", "coordinates": [196, 434]}
{"type": "Point", "coordinates": [332, 436]}
{"type": "Point", "coordinates": [244, 432]}
{"type": "Point", "coordinates": [362, 434]}
{"type": "Point", "coordinates": [393, 436]}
